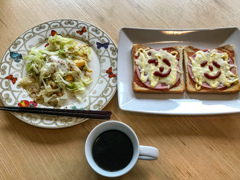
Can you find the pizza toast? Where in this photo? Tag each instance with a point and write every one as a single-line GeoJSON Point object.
{"type": "Point", "coordinates": [211, 70]}
{"type": "Point", "coordinates": [157, 70]}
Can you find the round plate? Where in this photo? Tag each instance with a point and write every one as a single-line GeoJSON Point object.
{"type": "Point", "coordinates": [104, 65]}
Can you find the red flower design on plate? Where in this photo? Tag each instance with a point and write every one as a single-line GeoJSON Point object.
{"type": "Point", "coordinates": [82, 31]}
{"type": "Point", "coordinates": [26, 103]}
{"type": "Point", "coordinates": [11, 78]}
{"type": "Point", "coordinates": [109, 71]}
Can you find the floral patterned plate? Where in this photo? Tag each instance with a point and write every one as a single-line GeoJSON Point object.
{"type": "Point", "coordinates": [104, 65]}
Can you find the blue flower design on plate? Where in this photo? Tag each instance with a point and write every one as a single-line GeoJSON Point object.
{"type": "Point", "coordinates": [16, 56]}
{"type": "Point", "coordinates": [105, 45]}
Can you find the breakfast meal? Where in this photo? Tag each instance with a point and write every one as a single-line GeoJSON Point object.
{"type": "Point", "coordinates": [211, 70]}
{"type": "Point", "coordinates": [58, 71]}
{"type": "Point", "coordinates": [157, 70]}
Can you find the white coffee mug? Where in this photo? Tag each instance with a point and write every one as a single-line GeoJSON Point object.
{"type": "Point", "coordinates": [139, 151]}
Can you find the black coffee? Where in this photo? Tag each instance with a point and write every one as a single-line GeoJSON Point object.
{"type": "Point", "coordinates": [112, 150]}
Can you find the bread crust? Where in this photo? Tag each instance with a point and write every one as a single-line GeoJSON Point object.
{"type": "Point", "coordinates": [138, 86]}
{"type": "Point", "coordinates": [190, 84]}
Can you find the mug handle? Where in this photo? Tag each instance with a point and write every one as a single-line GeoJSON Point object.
{"type": "Point", "coordinates": [148, 153]}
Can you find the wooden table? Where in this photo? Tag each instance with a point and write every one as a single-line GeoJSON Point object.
{"type": "Point", "coordinates": [190, 147]}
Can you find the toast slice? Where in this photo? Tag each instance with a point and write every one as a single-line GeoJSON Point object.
{"type": "Point", "coordinates": [211, 70]}
{"type": "Point", "coordinates": [157, 70]}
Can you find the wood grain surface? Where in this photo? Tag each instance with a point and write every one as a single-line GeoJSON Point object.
{"type": "Point", "coordinates": [190, 147]}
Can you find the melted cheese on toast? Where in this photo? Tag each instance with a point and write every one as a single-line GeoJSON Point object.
{"type": "Point", "coordinates": [147, 69]}
{"type": "Point", "coordinates": [213, 68]}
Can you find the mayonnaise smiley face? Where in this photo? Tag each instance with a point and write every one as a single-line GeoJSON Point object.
{"type": "Point", "coordinates": [211, 69]}
{"type": "Point", "coordinates": [162, 72]}
{"type": "Point", "coordinates": [158, 68]}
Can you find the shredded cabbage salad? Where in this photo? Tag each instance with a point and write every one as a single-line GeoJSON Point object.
{"type": "Point", "coordinates": [56, 70]}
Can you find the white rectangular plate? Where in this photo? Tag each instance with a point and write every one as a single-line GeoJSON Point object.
{"type": "Point", "coordinates": [188, 104]}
